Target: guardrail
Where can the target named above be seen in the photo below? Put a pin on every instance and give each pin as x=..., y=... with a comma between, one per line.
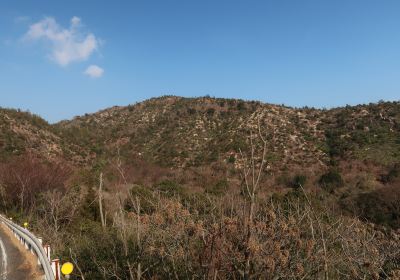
x=35, y=245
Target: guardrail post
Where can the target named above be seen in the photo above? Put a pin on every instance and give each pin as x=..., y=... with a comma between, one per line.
x=55, y=265
x=47, y=249
x=27, y=247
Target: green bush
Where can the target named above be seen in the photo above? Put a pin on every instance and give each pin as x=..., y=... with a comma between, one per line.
x=231, y=159
x=210, y=111
x=287, y=180
x=298, y=181
x=379, y=207
x=331, y=180
x=337, y=145
x=170, y=188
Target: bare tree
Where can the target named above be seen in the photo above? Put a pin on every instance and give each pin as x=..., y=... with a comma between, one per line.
x=57, y=210
x=251, y=173
x=24, y=177
x=100, y=195
x=321, y=231
x=75, y=261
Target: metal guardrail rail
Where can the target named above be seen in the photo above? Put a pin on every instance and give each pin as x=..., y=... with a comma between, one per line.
x=34, y=244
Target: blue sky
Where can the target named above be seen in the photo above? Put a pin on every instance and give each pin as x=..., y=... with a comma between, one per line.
x=65, y=58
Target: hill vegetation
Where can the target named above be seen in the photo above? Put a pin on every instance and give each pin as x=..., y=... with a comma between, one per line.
x=24, y=132
x=208, y=188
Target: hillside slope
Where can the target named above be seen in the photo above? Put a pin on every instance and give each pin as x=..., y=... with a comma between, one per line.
x=174, y=131
x=367, y=132
x=23, y=132
x=180, y=132
x=183, y=132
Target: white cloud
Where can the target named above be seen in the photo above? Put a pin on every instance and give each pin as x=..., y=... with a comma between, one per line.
x=75, y=21
x=66, y=45
x=94, y=71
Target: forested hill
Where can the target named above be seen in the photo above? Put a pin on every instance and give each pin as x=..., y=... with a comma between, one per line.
x=24, y=132
x=189, y=132
x=179, y=132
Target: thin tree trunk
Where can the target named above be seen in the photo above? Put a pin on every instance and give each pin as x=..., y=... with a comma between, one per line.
x=139, y=266
x=103, y=223
x=248, y=238
x=73, y=258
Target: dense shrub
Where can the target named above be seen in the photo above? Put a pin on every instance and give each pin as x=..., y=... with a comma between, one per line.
x=331, y=180
x=199, y=236
x=381, y=207
x=169, y=188
x=337, y=144
x=295, y=181
x=210, y=112
x=392, y=175
x=231, y=159
x=299, y=181
x=173, y=242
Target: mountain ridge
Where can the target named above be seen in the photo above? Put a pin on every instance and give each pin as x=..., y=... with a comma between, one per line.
x=180, y=132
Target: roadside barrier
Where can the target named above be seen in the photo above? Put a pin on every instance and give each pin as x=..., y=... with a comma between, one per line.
x=34, y=244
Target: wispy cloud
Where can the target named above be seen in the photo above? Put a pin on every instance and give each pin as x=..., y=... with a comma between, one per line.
x=67, y=45
x=94, y=71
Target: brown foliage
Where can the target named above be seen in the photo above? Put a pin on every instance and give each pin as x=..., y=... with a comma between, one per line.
x=286, y=243
x=24, y=177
